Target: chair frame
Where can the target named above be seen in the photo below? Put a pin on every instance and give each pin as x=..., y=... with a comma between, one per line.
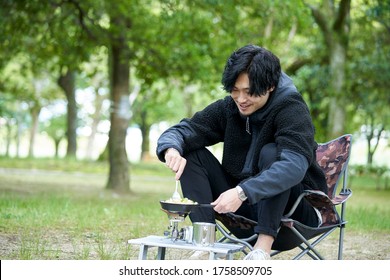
x=304, y=233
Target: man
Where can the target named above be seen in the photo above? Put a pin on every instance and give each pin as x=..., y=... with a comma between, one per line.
x=268, y=155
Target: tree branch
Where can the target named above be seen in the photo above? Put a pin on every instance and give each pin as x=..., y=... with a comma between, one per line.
x=342, y=15
x=81, y=18
x=322, y=21
x=297, y=64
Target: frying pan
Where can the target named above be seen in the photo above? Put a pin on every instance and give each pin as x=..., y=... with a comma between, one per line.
x=181, y=207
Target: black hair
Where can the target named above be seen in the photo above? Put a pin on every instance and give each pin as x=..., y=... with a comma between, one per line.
x=261, y=65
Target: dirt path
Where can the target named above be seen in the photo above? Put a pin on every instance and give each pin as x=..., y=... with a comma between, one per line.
x=373, y=246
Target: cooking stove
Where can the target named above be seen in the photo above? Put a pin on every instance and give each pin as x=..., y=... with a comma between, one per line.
x=174, y=231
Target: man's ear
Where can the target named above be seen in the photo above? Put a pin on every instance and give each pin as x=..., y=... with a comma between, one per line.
x=271, y=89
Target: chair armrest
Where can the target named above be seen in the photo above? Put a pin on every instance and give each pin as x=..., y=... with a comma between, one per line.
x=319, y=199
x=342, y=197
x=295, y=205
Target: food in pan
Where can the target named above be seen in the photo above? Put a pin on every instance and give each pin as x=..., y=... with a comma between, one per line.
x=181, y=201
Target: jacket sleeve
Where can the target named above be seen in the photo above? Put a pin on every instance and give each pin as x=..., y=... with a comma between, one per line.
x=282, y=175
x=174, y=137
x=204, y=129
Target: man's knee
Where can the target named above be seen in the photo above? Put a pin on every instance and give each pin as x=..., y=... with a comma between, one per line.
x=198, y=155
x=268, y=155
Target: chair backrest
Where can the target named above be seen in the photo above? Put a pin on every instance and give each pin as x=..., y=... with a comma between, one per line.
x=333, y=158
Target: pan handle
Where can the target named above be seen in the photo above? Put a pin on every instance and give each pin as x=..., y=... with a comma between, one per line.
x=205, y=205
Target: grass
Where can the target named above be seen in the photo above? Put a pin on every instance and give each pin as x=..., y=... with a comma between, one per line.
x=71, y=165
x=98, y=221
x=51, y=214
x=41, y=210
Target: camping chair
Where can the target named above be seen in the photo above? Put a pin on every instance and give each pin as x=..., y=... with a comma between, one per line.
x=333, y=158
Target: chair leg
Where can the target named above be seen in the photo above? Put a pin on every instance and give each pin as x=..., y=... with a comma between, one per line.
x=310, y=247
x=343, y=206
x=305, y=251
x=341, y=236
x=275, y=252
x=236, y=240
x=341, y=242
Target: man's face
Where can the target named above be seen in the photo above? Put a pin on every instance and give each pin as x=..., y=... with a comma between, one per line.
x=247, y=104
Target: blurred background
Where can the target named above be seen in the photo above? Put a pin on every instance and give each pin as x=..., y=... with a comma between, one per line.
x=98, y=80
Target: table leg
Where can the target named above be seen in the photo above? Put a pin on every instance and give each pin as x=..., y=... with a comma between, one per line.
x=229, y=256
x=143, y=252
x=161, y=253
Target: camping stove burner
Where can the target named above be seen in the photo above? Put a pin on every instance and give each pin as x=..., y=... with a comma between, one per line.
x=174, y=232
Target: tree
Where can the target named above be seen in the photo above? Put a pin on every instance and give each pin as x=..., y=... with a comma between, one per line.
x=30, y=87
x=67, y=82
x=119, y=179
x=334, y=22
x=37, y=29
x=155, y=103
x=369, y=73
x=13, y=117
x=55, y=129
x=93, y=79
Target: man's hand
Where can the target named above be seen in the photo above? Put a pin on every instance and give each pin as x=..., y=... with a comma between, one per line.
x=175, y=162
x=228, y=201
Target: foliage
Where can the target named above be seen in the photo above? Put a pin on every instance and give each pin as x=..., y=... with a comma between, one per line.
x=379, y=174
x=178, y=51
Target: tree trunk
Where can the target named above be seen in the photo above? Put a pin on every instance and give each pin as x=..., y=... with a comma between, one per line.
x=56, y=147
x=370, y=155
x=95, y=122
x=119, y=177
x=336, y=119
x=67, y=83
x=334, y=24
x=372, y=133
x=8, y=138
x=145, y=128
x=35, y=110
x=18, y=136
x=189, y=94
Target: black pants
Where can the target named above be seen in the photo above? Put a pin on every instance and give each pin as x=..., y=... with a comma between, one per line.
x=204, y=179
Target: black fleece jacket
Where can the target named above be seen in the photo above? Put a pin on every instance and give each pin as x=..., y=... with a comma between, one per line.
x=284, y=120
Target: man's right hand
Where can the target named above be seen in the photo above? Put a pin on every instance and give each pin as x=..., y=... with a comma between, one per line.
x=175, y=162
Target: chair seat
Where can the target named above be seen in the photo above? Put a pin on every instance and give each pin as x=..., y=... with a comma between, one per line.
x=287, y=239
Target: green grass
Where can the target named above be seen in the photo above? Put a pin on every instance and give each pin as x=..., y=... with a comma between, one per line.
x=71, y=165
x=369, y=209
x=51, y=214
x=101, y=220
x=70, y=215
x=369, y=206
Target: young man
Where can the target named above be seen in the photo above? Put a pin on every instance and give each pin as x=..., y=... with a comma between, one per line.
x=269, y=149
